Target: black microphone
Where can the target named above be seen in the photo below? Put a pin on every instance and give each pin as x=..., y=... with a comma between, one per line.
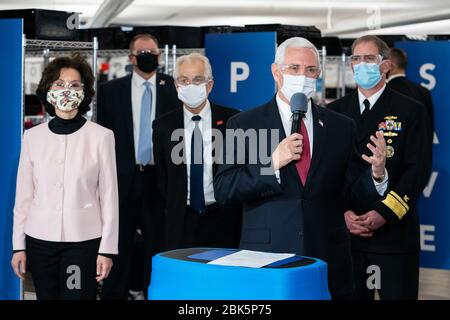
x=299, y=106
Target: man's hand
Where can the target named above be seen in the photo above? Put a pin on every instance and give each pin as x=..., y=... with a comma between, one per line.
x=288, y=150
x=372, y=220
x=378, y=158
x=354, y=225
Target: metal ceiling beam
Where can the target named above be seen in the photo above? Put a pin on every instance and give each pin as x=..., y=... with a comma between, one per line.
x=107, y=11
x=429, y=17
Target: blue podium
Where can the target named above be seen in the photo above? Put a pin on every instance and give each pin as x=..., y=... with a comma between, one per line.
x=185, y=274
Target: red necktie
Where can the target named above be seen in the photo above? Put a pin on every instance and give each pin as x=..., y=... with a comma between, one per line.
x=305, y=161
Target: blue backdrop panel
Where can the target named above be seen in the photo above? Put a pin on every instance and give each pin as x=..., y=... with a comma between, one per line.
x=241, y=68
x=11, y=133
x=429, y=65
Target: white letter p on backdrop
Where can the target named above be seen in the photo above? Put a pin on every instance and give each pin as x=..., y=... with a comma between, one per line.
x=235, y=76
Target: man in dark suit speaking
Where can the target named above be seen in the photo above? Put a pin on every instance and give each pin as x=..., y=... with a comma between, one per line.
x=293, y=195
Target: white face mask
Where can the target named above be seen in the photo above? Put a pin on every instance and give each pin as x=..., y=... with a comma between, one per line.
x=293, y=84
x=192, y=95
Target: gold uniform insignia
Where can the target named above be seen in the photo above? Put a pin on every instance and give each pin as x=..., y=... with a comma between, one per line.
x=390, y=151
x=390, y=127
x=390, y=134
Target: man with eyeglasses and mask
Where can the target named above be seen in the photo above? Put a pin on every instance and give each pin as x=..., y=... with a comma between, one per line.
x=385, y=233
x=128, y=106
x=187, y=143
x=294, y=200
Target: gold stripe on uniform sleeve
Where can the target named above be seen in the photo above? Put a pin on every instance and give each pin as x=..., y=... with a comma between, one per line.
x=396, y=206
x=400, y=200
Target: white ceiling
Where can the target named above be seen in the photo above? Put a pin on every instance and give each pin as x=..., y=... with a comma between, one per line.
x=345, y=18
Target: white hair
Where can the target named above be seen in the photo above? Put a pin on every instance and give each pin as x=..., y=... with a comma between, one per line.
x=294, y=42
x=191, y=58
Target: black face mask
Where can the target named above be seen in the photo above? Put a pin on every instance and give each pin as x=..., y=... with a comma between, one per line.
x=147, y=62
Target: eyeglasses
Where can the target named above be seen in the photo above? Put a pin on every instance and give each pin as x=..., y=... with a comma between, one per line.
x=296, y=69
x=184, y=81
x=367, y=58
x=60, y=84
x=155, y=51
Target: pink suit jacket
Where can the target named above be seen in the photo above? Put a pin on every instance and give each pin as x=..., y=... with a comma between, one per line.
x=67, y=187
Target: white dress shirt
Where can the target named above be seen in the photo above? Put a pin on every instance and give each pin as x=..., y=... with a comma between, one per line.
x=380, y=186
x=399, y=75
x=286, y=118
x=137, y=90
x=205, y=126
x=372, y=99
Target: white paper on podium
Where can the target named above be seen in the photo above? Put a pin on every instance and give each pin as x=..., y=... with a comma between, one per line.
x=251, y=259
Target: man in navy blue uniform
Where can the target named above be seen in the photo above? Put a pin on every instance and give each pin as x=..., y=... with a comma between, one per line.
x=392, y=243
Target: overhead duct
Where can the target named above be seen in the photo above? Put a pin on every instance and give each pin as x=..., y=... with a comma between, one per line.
x=107, y=11
x=424, y=18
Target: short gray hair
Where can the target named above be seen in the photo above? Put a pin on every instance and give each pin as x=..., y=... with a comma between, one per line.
x=383, y=48
x=294, y=42
x=191, y=58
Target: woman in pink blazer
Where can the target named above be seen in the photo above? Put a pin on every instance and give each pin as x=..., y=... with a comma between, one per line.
x=66, y=209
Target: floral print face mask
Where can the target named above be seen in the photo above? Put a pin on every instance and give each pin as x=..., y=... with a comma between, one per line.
x=65, y=99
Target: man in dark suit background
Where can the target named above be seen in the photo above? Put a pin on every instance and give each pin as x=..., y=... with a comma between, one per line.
x=294, y=198
x=397, y=81
x=392, y=243
x=193, y=218
x=128, y=106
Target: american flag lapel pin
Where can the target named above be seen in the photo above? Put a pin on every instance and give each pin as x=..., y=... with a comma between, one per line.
x=320, y=123
x=219, y=122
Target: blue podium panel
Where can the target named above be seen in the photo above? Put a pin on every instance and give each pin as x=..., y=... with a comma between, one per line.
x=185, y=274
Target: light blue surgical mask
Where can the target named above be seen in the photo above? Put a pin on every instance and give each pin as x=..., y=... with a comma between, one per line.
x=367, y=75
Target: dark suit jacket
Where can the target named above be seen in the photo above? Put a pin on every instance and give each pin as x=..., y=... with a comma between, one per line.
x=422, y=95
x=114, y=111
x=405, y=168
x=415, y=91
x=289, y=217
x=225, y=225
